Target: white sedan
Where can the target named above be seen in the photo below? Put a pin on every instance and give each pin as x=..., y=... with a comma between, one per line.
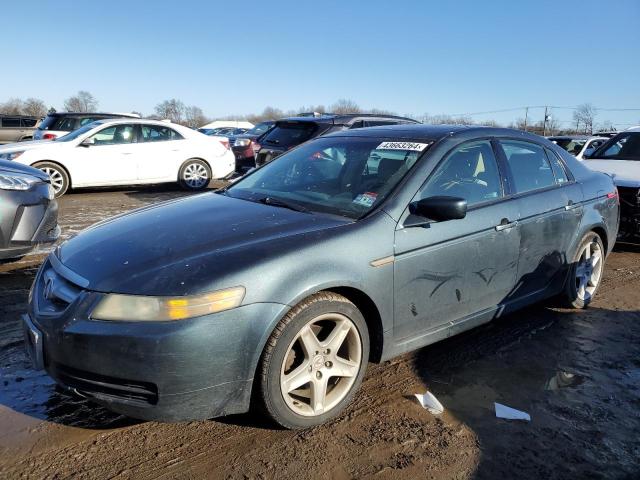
x=126, y=151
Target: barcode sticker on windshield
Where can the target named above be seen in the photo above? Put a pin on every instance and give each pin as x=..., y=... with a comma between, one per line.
x=413, y=146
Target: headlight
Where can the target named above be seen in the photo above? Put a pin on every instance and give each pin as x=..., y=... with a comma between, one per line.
x=242, y=142
x=17, y=181
x=137, y=308
x=11, y=155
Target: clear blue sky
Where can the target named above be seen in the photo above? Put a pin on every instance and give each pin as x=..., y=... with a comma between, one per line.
x=410, y=57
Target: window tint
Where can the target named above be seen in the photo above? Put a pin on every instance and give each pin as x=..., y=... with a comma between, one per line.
x=66, y=124
x=469, y=172
x=8, y=122
x=557, y=166
x=86, y=120
x=378, y=123
x=116, y=135
x=157, y=133
x=29, y=122
x=529, y=165
x=358, y=124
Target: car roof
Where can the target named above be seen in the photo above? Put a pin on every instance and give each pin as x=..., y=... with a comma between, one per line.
x=633, y=129
x=93, y=114
x=109, y=121
x=339, y=118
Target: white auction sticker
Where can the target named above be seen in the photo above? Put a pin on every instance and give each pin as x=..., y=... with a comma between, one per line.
x=413, y=146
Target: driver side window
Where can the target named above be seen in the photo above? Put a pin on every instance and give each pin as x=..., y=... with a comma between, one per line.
x=115, y=135
x=469, y=172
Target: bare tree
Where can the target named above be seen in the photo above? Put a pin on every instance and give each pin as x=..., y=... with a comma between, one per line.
x=83, y=101
x=585, y=114
x=345, y=106
x=13, y=106
x=34, y=107
x=194, y=117
x=172, y=109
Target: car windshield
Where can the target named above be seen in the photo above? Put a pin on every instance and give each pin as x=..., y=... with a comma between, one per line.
x=346, y=176
x=260, y=128
x=289, y=134
x=625, y=146
x=571, y=145
x=76, y=133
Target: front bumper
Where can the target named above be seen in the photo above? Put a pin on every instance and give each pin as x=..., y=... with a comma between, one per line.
x=169, y=371
x=27, y=218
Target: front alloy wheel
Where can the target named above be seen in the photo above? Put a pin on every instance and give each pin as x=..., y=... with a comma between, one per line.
x=314, y=361
x=58, y=176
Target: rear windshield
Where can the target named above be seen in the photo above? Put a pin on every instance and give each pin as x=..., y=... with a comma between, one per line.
x=55, y=122
x=625, y=146
x=290, y=134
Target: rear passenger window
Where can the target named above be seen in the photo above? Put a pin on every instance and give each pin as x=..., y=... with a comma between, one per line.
x=8, y=122
x=557, y=166
x=29, y=122
x=529, y=165
x=469, y=172
x=156, y=133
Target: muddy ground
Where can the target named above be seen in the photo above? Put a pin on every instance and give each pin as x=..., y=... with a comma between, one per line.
x=576, y=373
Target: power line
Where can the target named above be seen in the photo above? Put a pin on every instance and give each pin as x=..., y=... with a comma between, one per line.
x=558, y=107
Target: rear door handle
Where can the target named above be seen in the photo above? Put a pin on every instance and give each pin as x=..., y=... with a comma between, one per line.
x=505, y=224
x=571, y=206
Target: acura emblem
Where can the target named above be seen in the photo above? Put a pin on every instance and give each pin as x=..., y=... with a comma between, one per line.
x=48, y=289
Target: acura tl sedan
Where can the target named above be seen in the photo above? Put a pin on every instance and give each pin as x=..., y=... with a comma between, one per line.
x=126, y=151
x=353, y=247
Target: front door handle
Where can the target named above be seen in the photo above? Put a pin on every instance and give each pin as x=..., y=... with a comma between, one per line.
x=571, y=205
x=505, y=224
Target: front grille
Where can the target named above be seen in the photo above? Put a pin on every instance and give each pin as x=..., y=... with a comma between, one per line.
x=105, y=387
x=629, y=211
x=53, y=291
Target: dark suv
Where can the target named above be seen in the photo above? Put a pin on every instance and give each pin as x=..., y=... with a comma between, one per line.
x=60, y=123
x=291, y=132
x=244, y=146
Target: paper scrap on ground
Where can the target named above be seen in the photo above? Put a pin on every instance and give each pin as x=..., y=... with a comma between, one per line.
x=430, y=402
x=502, y=411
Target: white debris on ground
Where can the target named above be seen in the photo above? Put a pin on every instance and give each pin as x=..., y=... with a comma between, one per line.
x=502, y=411
x=430, y=402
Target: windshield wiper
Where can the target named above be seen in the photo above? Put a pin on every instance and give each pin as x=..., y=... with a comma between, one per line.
x=276, y=202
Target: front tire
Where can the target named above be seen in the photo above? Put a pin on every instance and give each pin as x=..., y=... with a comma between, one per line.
x=314, y=361
x=585, y=273
x=194, y=175
x=57, y=174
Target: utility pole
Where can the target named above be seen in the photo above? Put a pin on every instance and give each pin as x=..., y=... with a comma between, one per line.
x=526, y=115
x=544, y=124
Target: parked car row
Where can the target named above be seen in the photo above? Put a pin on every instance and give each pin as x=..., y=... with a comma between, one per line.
x=579, y=146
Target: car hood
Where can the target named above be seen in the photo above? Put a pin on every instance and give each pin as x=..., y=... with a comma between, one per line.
x=13, y=167
x=22, y=146
x=625, y=173
x=184, y=246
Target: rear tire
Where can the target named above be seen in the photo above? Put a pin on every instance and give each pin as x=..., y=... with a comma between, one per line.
x=314, y=361
x=585, y=272
x=194, y=175
x=58, y=175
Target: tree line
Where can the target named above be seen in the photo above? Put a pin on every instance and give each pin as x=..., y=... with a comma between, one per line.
x=193, y=116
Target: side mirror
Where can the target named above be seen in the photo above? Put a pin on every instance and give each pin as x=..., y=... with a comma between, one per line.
x=87, y=142
x=439, y=209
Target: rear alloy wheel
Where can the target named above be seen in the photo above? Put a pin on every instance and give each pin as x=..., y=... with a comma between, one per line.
x=586, y=271
x=58, y=176
x=194, y=175
x=314, y=361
